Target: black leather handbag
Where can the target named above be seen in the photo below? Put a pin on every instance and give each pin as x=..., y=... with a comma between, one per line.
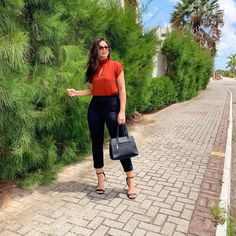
x=121, y=148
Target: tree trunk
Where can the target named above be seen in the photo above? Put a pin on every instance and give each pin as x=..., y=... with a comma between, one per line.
x=132, y=3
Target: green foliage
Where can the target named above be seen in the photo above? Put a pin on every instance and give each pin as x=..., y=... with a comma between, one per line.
x=218, y=213
x=161, y=92
x=231, y=230
x=203, y=18
x=44, y=47
x=231, y=64
x=225, y=73
x=189, y=66
x=127, y=42
x=16, y=124
x=139, y=64
x=32, y=180
x=219, y=71
x=16, y=119
x=221, y=216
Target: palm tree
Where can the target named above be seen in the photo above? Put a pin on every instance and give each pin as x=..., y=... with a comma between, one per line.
x=232, y=62
x=203, y=18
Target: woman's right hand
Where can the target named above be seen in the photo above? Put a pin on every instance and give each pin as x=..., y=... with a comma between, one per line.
x=71, y=92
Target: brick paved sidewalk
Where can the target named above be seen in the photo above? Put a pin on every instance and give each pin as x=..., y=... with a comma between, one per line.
x=175, y=147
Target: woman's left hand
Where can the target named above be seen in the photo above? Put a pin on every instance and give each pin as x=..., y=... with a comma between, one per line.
x=121, y=118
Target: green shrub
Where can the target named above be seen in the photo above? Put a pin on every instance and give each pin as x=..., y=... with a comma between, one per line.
x=161, y=92
x=231, y=229
x=44, y=47
x=188, y=65
x=132, y=47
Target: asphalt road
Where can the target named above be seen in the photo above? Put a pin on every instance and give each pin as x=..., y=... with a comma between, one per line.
x=231, y=85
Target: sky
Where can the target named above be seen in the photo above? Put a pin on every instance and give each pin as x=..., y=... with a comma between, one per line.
x=158, y=13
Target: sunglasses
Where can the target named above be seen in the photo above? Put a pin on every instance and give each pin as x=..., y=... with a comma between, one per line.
x=105, y=47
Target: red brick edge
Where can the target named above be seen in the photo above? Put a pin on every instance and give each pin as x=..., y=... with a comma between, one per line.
x=202, y=222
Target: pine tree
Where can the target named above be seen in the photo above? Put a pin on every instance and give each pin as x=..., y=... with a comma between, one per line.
x=44, y=47
x=57, y=62
x=16, y=117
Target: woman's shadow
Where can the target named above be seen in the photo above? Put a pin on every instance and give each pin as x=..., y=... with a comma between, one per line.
x=80, y=190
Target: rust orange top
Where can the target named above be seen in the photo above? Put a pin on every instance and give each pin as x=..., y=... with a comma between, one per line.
x=104, y=82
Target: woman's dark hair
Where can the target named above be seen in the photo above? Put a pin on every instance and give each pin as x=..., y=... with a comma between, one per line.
x=93, y=61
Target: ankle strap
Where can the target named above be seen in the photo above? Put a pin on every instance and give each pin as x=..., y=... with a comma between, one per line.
x=101, y=173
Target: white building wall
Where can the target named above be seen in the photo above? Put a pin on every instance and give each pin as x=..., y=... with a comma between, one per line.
x=161, y=65
x=160, y=62
x=154, y=73
x=122, y=3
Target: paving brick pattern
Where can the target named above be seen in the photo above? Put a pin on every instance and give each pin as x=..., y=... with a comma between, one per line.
x=232, y=86
x=202, y=222
x=175, y=147
x=233, y=176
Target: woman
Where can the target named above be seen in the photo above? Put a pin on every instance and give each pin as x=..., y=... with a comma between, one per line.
x=107, y=86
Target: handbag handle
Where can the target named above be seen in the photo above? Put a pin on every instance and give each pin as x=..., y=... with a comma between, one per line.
x=125, y=131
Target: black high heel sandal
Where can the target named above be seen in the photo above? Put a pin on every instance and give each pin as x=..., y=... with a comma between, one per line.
x=99, y=190
x=130, y=195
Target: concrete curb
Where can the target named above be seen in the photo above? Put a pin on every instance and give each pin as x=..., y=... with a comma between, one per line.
x=221, y=230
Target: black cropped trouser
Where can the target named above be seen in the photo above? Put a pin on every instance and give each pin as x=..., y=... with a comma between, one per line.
x=104, y=109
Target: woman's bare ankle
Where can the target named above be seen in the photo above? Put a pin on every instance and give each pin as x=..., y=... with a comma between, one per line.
x=130, y=181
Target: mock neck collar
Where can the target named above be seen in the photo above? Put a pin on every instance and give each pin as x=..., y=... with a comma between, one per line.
x=103, y=61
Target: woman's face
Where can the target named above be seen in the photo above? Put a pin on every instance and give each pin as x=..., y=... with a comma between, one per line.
x=103, y=50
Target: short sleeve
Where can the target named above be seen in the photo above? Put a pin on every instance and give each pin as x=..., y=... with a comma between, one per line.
x=118, y=68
